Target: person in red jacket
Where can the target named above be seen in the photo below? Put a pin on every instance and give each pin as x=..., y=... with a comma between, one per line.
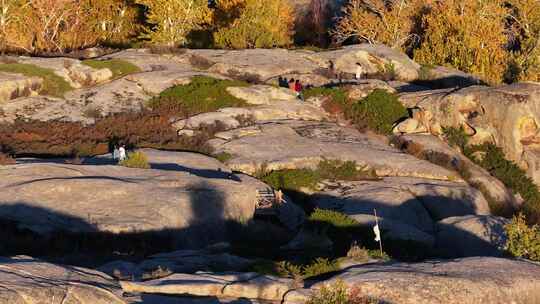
x=298, y=89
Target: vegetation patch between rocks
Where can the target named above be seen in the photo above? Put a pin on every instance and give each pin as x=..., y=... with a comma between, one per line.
x=118, y=67
x=296, y=179
x=492, y=158
x=136, y=160
x=53, y=84
x=523, y=241
x=203, y=94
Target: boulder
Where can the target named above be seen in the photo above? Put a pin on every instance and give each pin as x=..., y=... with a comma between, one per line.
x=81, y=105
x=483, y=113
x=462, y=281
x=262, y=94
x=24, y=280
x=471, y=235
x=182, y=261
x=258, y=65
x=71, y=70
x=13, y=86
x=234, y=285
x=408, y=207
x=195, y=203
x=303, y=144
x=373, y=58
x=227, y=118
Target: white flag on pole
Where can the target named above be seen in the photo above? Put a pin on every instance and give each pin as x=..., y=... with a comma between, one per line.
x=377, y=233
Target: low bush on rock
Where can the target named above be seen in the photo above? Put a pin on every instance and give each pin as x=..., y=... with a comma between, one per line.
x=136, y=160
x=523, y=241
x=494, y=161
x=203, y=94
x=118, y=67
x=512, y=176
x=379, y=111
x=335, y=99
x=338, y=293
x=296, y=179
x=53, y=84
x=146, y=129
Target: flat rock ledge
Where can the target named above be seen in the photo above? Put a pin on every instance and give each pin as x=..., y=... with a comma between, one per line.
x=24, y=280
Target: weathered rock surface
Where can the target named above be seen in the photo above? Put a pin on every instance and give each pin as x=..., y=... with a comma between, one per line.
x=262, y=94
x=302, y=144
x=183, y=261
x=373, y=59
x=471, y=235
x=84, y=105
x=71, y=70
x=195, y=203
x=24, y=280
x=484, y=114
x=408, y=207
x=437, y=151
x=464, y=281
x=15, y=85
x=235, y=285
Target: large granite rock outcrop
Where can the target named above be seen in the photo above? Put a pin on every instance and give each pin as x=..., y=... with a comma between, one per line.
x=408, y=208
x=24, y=280
x=506, y=115
x=194, y=202
x=465, y=281
x=303, y=144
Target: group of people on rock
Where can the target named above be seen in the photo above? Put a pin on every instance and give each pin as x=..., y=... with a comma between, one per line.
x=294, y=85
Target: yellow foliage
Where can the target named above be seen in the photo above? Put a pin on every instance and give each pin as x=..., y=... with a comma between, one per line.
x=173, y=20
x=379, y=21
x=467, y=35
x=525, y=62
x=260, y=24
x=37, y=26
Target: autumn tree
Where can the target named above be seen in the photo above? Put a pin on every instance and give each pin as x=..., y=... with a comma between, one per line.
x=313, y=25
x=260, y=24
x=173, y=20
x=524, y=43
x=467, y=35
x=11, y=12
x=379, y=21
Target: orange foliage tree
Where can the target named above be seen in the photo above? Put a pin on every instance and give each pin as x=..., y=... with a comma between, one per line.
x=378, y=21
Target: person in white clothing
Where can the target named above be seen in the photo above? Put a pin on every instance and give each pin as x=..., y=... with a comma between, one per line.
x=122, y=153
x=359, y=71
x=116, y=153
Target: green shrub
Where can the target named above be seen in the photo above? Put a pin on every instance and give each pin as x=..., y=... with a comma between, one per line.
x=346, y=171
x=333, y=218
x=456, y=138
x=319, y=267
x=136, y=160
x=223, y=156
x=118, y=67
x=292, y=179
x=523, y=241
x=338, y=293
x=203, y=94
x=53, y=84
x=338, y=95
x=512, y=176
x=378, y=111
x=296, y=179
